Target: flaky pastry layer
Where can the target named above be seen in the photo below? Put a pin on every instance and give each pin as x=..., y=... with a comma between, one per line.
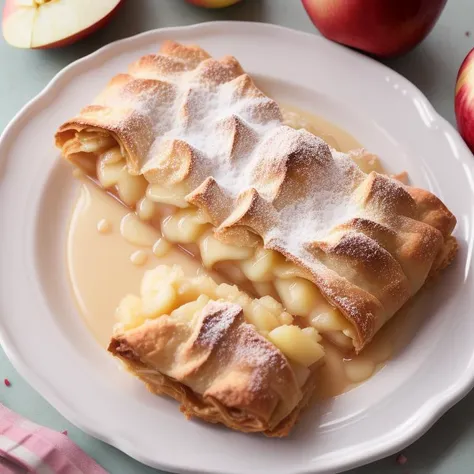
x=218, y=367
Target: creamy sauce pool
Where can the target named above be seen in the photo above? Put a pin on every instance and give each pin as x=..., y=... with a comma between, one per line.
x=109, y=249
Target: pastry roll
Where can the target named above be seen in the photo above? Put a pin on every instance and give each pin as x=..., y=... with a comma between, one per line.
x=192, y=339
x=271, y=206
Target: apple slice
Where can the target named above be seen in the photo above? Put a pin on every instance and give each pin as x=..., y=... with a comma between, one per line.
x=53, y=23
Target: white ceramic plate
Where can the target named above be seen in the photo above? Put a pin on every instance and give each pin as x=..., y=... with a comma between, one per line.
x=47, y=342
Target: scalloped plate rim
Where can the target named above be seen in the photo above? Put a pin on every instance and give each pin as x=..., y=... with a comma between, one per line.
x=429, y=413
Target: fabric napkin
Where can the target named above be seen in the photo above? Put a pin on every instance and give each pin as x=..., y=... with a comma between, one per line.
x=26, y=447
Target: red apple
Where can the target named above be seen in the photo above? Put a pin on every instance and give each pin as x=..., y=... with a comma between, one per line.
x=380, y=27
x=213, y=3
x=52, y=23
x=464, y=100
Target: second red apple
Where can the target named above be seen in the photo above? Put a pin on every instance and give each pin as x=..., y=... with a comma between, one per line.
x=380, y=27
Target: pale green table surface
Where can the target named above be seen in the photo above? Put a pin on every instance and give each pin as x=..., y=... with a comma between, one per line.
x=448, y=448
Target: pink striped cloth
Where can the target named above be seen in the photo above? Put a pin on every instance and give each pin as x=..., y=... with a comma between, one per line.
x=29, y=448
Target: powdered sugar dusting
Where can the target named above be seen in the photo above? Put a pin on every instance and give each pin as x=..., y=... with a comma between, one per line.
x=239, y=136
x=244, y=347
x=319, y=212
x=212, y=121
x=261, y=356
x=217, y=320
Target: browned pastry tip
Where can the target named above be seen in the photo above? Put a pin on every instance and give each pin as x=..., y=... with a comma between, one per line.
x=218, y=367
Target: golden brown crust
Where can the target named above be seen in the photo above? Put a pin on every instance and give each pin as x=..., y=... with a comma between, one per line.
x=367, y=241
x=218, y=367
x=193, y=406
x=445, y=257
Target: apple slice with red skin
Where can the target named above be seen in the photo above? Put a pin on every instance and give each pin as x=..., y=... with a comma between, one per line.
x=464, y=100
x=53, y=23
x=383, y=28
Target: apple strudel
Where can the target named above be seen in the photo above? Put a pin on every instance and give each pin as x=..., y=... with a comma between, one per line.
x=196, y=149
x=195, y=341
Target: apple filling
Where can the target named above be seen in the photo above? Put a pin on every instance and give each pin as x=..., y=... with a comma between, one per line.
x=256, y=270
x=166, y=291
